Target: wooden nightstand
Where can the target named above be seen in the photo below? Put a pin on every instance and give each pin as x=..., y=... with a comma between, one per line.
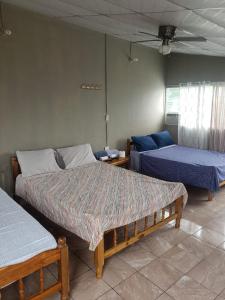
x=121, y=162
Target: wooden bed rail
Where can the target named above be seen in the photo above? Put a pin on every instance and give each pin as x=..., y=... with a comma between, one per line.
x=150, y=224
x=129, y=146
x=19, y=271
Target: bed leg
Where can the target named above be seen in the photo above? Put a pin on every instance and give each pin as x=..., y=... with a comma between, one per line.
x=210, y=195
x=64, y=268
x=99, y=259
x=178, y=210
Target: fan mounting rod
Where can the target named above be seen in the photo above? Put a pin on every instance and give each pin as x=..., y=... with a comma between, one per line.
x=167, y=32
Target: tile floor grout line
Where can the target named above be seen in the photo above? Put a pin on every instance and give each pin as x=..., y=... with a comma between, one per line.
x=166, y=295
x=186, y=274
x=124, y=280
x=206, y=287
x=108, y=292
x=221, y=293
x=153, y=283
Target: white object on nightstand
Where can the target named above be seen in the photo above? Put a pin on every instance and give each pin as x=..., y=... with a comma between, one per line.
x=122, y=154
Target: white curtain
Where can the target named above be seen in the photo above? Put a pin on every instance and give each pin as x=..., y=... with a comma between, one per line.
x=195, y=115
x=217, y=126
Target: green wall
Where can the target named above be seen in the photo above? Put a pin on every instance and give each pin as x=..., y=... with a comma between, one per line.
x=42, y=67
x=181, y=68
x=135, y=92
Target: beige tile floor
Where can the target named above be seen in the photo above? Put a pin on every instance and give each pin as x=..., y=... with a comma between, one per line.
x=171, y=264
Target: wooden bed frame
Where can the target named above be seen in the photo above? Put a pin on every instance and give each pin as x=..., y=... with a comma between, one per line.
x=210, y=193
x=128, y=237
x=19, y=271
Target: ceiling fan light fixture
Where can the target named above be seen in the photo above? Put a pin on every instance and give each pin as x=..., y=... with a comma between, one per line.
x=165, y=48
x=5, y=32
x=167, y=34
x=131, y=58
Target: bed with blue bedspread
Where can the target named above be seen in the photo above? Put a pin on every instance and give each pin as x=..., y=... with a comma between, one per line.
x=195, y=167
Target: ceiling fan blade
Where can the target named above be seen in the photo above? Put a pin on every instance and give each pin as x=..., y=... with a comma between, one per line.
x=145, y=41
x=155, y=35
x=190, y=39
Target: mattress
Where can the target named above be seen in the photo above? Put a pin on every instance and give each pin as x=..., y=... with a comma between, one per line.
x=191, y=166
x=22, y=237
x=91, y=199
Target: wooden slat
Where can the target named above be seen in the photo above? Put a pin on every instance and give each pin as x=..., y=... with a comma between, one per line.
x=155, y=218
x=114, y=237
x=41, y=280
x=146, y=222
x=48, y=292
x=21, y=270
x=21, y=289
x=126, y=232
x=170, y=209
x=135, y=228
x=140, y=235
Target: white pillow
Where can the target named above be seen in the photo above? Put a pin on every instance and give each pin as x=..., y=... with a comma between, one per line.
x=37, y=162
x=77, y=155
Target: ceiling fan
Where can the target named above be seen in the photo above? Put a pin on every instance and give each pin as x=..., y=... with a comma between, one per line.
x=167, y=34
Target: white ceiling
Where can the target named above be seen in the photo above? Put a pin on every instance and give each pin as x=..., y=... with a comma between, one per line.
x=126, y=18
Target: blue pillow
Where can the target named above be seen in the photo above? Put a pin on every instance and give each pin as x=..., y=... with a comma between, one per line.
x=100, y=153
x=162, y=138
x=144, y=143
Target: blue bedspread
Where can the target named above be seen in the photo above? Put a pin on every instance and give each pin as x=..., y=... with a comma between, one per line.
x=200, y=168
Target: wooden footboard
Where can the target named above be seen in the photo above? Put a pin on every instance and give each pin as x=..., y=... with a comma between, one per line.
x=129, y=234
x=19, y=271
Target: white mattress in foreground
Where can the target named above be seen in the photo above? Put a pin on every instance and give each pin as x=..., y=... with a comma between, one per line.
x=21, y=236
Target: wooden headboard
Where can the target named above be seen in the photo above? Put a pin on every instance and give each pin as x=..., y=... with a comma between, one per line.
x=15, y=167
x=130, y=145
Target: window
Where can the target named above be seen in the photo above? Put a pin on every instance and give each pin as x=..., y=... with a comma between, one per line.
x=172, y=100
x=200, y=109
x=172, y=105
